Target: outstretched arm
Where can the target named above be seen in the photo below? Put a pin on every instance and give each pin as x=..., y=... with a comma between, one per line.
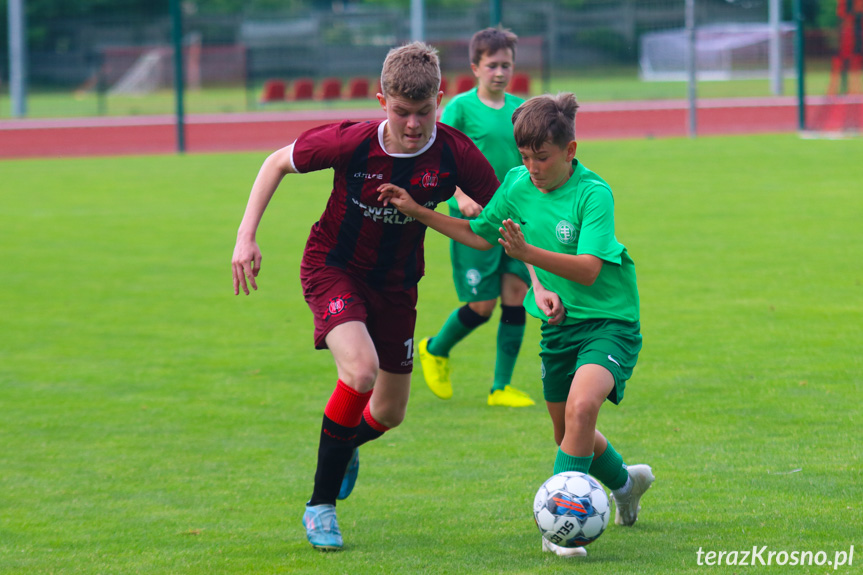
x=454, y=228
x=246, y=262
x=582, y=268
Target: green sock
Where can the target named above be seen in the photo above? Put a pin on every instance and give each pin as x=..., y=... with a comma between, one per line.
x=609, y=469
x=565, y=462
x=457, y=326
x=509, y=337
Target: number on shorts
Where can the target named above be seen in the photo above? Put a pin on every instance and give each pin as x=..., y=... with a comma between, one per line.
x=409, y=343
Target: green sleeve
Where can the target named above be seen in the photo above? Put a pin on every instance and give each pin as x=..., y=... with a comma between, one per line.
x=450, y=115
x=597, y=226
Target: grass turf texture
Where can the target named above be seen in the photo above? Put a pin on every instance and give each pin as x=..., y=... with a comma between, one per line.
x=154, y=423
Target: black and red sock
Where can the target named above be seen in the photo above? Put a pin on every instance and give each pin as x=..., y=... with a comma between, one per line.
x=342, y=417
x=369, y=429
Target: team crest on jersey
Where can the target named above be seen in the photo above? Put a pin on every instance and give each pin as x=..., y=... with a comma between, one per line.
x=337, y=305
x=473, y=277
x=565, y=232
x=429, y=179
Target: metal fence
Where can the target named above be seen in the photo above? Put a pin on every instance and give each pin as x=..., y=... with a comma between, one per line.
x=123, y=64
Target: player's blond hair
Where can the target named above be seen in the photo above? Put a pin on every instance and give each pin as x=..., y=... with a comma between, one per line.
x=491, y=41
x=545, y=119
x=411, y=71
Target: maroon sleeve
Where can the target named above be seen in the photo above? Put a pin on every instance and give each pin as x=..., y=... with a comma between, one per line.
x=318, y=148
x=476, y=176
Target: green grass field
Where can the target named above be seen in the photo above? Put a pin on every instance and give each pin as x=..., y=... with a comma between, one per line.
x=154, y=423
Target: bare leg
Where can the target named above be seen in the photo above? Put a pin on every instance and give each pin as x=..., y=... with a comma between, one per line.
x=574, y=420
x=355, y=355
x=389, y=401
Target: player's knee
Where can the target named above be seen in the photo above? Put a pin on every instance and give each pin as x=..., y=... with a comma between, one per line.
x=582, y=411
x=392, y=416
x=476, y=313
x=514, y=298
x=360, y=376
x=512, y=290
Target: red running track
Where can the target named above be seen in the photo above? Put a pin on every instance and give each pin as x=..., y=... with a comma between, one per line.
x=107, y=136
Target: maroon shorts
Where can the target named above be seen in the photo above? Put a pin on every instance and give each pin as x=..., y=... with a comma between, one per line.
x=390, y=316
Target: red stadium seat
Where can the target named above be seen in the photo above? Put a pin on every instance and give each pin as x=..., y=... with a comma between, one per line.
x=464, y=83
x=304, y=89
x=358, y=88
x=274, y=91
x=331, y=89
x=520, y=84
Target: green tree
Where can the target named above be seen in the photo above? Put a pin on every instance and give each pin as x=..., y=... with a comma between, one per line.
x=816, y=13
x=64, y=9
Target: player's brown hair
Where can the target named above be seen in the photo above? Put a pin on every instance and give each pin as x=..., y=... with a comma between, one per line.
x=411, y=71
x=545, y=118
x=489, y=41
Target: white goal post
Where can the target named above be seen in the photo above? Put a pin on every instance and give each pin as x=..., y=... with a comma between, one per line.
x=723, y=52
x=146, y=75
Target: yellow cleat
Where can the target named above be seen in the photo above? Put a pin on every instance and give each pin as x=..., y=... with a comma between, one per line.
x=510, y=397
x=435, y=371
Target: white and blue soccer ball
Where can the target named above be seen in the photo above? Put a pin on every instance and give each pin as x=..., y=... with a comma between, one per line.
x=571, y=509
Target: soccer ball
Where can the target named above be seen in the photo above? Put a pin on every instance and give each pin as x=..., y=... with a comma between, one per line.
x=571, y=509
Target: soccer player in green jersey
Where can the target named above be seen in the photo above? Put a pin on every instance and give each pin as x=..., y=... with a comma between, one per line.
x=558, y=216
x=485, y=115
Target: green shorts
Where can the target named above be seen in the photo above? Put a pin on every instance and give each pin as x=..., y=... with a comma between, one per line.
x=610, y=343
x=476, y=273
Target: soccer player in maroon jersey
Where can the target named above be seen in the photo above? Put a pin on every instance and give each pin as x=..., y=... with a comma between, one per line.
x=363, y=260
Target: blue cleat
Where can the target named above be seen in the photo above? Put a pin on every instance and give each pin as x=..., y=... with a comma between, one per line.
x=351, y=473
x=322, y=529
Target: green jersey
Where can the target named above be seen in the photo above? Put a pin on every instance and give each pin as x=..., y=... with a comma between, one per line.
x=577, y=218
x=490, y=130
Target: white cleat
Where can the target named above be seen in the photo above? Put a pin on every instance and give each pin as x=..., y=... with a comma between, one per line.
x=549, y=547
x=627, y=506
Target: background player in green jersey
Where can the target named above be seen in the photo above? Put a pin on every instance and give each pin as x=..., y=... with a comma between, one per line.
x=485, y=115
x=558, y=216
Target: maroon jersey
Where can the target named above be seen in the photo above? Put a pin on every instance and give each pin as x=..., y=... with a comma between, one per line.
x=356, y=232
